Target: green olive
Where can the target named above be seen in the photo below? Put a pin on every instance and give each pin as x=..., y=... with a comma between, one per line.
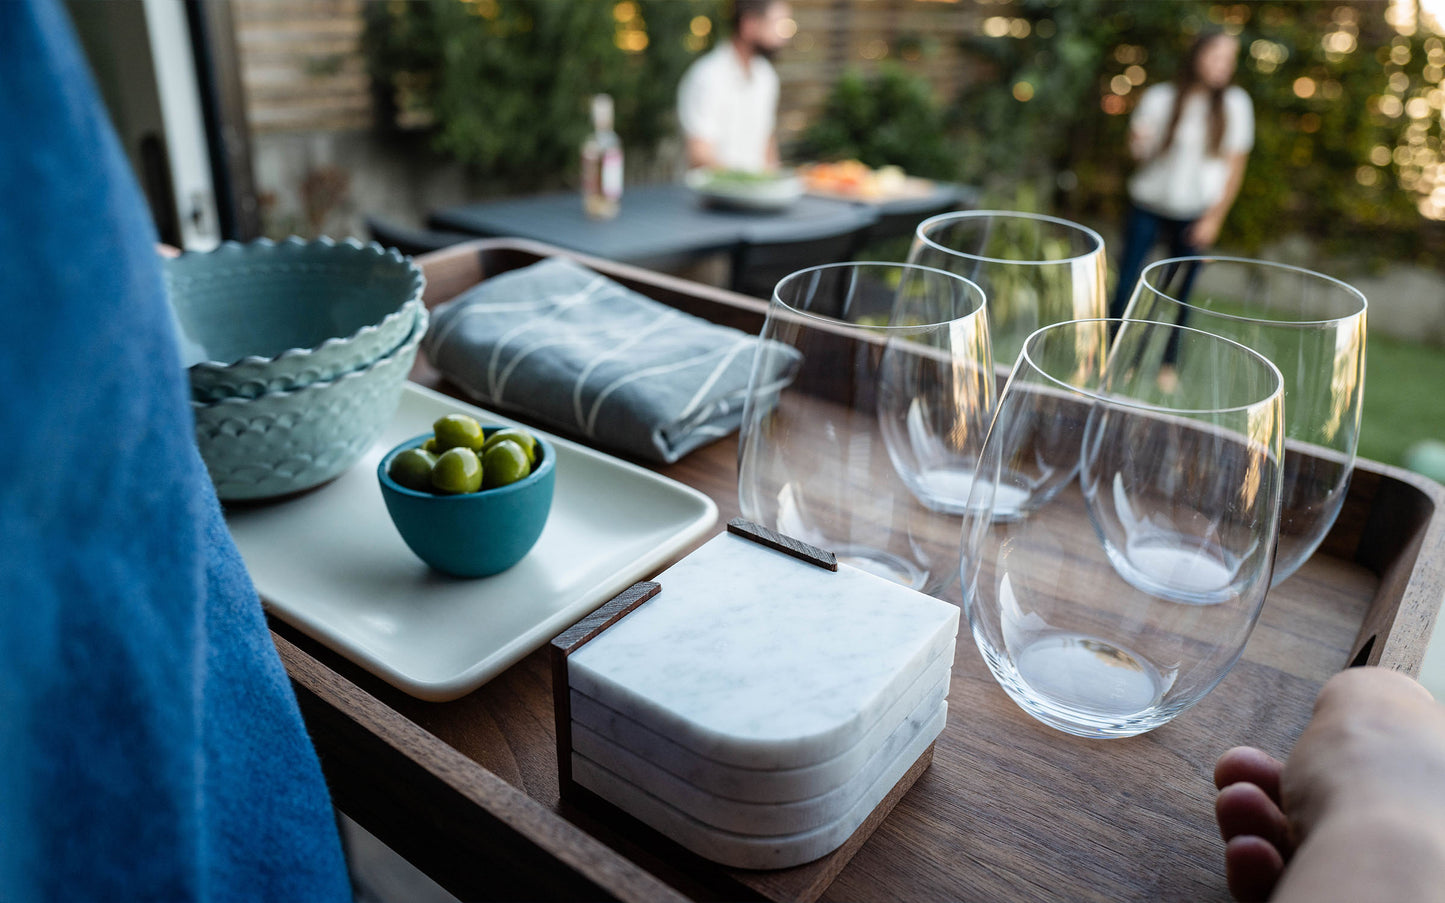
x=521, y=437
x=457, y=431
x=412, y=469
x=430, y=445
x=457, y=471
x=503, y=463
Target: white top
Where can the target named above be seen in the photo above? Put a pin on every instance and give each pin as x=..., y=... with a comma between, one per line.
x=1186, y=180
x=732, y=109
x=752, y=658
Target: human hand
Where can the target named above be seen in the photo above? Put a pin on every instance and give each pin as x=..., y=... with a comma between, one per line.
x=1357, y=811
x=1203, y=232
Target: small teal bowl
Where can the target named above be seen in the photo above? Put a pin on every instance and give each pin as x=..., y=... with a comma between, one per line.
x=477, y=534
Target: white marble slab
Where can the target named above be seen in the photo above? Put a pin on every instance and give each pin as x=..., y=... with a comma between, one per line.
x=754, y=785
x=757, y=818
x=756, y=659
x=742, y=850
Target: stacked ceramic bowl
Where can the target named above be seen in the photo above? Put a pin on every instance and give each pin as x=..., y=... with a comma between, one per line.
x=758, y=709
x=296, y=352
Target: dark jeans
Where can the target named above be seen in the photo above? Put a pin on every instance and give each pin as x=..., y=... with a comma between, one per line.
x=1142, y=229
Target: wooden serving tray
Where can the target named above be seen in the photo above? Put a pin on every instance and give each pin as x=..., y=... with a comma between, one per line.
x=468, y=790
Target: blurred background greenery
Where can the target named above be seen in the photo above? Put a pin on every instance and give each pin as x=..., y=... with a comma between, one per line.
x=1348, y=98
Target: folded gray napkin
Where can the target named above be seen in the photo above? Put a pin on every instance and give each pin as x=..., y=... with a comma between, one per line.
x=571, y=348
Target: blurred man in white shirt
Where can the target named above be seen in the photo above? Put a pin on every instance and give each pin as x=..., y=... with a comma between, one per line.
x=727, y=101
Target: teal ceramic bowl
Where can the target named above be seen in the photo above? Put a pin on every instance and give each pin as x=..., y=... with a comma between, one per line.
x=283, y=442
x=275, y=316
x=478, y=534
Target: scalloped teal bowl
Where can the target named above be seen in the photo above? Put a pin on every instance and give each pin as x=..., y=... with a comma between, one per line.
x=287, y=441
x=477, y=534
x=275, y=316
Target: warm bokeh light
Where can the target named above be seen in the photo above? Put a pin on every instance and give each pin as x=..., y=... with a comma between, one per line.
x=787, y=28
x=1023, y=92
x=1367, y=176
x=995, y=26
x=1120, y=84
x=1267, y=55
x=625, y=11
x=1304, y=86
x=1136, y=75
x=1401, y=16
x=1130, y=53
x=632, y=40
x=1113, y=104
x=700, y=26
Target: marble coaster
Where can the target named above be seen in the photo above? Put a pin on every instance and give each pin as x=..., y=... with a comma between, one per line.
x=751, y=851
x=754, y=785
x=757, y=818
x=755, y=659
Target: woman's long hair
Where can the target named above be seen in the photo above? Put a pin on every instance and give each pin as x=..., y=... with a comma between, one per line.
x=1187, y=80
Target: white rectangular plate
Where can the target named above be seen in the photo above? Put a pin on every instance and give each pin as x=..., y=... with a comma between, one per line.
x=331, y=563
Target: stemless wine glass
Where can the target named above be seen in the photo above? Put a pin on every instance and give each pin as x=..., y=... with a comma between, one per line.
x=1126, y=585
x=1313, y=328
x=892, y=363
x=1034, y=270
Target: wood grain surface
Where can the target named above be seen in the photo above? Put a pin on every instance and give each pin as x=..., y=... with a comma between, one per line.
x=568, y=642
x=1009, y=809
x=772, y=539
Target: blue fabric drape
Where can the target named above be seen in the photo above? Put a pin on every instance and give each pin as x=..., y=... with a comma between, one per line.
x=150, y=744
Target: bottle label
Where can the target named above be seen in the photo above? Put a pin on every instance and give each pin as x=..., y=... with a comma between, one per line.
x=612, y=174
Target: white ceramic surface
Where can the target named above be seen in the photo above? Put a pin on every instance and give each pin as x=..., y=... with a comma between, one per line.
x=331, y=562
x=743, y=850
x=762, y=195
x=757, y=818
x=754, y=785
x=753, y=658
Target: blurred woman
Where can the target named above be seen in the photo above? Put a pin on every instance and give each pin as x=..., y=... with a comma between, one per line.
x=1191, y=138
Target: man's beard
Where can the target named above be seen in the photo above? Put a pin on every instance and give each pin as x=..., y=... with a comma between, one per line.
x=768, y=53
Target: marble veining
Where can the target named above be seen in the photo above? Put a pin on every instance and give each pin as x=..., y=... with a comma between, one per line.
x=758, y=785
x=744, y=850
x=753, y=658
x=756, y=818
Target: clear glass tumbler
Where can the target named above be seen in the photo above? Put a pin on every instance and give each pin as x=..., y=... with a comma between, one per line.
x=1127, y=584
x=1313, y=328
x=1034, y=270
x=892, y=375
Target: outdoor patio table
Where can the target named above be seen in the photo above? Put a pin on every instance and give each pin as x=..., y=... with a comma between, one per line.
x=1009, y=809
x=656, y=223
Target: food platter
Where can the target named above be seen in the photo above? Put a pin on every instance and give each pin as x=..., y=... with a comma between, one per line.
x=738, y=190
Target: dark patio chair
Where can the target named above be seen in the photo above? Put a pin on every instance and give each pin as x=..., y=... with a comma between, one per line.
x=761, y=259
x=412, y=241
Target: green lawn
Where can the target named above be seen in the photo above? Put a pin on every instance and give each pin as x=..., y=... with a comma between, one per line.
x=1404, y=397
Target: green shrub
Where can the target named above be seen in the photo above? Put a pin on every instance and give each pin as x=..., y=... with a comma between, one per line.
x=503, y=85
x=888, y=118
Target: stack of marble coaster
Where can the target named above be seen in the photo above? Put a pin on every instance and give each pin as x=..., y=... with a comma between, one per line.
x=759, y=707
